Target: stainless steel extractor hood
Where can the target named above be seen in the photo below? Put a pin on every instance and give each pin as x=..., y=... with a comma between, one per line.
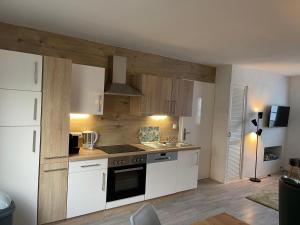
x=118, y=73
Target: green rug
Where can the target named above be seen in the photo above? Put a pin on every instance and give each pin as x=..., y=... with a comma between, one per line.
x=269, y=199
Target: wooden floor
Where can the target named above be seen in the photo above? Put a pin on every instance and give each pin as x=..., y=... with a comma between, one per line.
x=211, y=198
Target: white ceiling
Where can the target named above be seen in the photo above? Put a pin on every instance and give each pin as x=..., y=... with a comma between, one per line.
x=263, y=34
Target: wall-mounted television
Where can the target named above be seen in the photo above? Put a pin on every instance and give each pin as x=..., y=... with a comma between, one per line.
x=279, y=116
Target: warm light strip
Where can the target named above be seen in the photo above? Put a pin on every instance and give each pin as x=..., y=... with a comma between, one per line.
x=78, y=116
x=159, y=117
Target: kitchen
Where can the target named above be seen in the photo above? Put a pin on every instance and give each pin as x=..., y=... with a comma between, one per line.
x=132, y=157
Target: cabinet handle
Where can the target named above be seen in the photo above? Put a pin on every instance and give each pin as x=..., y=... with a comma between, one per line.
x=100, y=103
x=35, y=109
x=56, y=157
x=93, y=165
x=168, y=106
x=36, y=68
x=33, y=141
x=197, y=162
x=61, y=169
x=103, y=181
x=174, y=107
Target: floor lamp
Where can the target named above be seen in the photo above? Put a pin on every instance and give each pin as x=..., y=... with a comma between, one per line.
x=255, y=122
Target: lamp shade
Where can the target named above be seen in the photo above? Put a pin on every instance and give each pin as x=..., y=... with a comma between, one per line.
x=254, y=122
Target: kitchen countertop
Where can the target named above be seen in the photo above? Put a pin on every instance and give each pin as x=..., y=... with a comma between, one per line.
x=85, y=154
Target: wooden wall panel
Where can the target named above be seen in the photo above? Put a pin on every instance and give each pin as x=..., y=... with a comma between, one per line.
x=90, y=53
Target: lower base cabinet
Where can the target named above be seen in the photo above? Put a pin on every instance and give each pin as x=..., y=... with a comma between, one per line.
x=160, y=179
x=53, y=192
x=187, y=170
x=86, y=187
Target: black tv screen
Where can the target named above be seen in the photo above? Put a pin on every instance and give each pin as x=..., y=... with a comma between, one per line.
x=279, y=116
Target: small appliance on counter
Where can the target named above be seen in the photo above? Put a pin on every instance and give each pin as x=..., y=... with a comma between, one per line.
x=89, y=139
x=74, y=143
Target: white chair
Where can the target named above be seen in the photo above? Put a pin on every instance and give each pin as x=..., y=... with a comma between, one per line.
x=146, y=215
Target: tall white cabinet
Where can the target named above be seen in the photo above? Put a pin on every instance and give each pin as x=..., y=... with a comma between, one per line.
x=20, y=112
x=87, y=89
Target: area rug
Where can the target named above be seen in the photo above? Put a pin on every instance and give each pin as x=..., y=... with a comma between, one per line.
x=269, y=199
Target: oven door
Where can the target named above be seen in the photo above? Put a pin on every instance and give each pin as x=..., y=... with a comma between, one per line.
x=126, y=181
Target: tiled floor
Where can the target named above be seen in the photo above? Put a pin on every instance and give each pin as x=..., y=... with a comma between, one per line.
x=209, y=199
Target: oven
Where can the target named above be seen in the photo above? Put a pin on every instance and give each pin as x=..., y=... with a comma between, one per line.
x=126, y=177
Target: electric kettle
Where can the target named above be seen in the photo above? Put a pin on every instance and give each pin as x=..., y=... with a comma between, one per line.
x=89, y=139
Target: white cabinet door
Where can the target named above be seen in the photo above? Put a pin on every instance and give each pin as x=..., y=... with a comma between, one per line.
x=20, y=108
x=20, y=71
x=19, y=170
x=187, y=170
x=160, y=179
x=86, y=192
x=87, y=89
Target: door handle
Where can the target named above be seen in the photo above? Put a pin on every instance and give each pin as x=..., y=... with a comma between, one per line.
x=36, y=68
x=34, y=141
x=35, y=109
x=103, y=181
x=128, y=170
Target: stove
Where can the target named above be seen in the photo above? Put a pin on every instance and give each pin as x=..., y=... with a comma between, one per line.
x=114, y=149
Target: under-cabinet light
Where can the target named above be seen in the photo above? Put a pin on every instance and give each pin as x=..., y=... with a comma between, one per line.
x=159, y=117
x=78, y=116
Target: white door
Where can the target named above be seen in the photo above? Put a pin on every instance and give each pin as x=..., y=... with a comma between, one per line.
x=187, y=170
x=20, y=108
x=87, y=89
x=86, y=192
x=236, y=133
x=20, y=71
x=19, y=170
x=160, y=179
x=199, y=126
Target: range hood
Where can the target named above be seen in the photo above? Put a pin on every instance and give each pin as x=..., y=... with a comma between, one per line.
x=118, y=72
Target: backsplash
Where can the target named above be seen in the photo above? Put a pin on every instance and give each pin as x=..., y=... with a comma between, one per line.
x=117, y=126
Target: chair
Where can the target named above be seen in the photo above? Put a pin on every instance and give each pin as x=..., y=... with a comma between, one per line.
x=146, y=215
x=289, y=199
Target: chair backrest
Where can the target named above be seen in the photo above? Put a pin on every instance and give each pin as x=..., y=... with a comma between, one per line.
x=146, y=215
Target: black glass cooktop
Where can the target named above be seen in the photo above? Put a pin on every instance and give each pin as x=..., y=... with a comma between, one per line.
x=114, y=149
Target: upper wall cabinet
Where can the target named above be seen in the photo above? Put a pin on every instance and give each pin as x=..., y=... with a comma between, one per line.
x=182, y=97
x=20, y=71
x=87, y=89
x=162, y=95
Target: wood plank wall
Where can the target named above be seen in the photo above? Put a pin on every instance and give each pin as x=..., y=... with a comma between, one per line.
x=90, y=53
x=117, y=126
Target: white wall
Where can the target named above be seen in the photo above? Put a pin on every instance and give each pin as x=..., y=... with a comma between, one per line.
x=220, y=126
x=200, y=124
x=264, y=89
x=293, y=132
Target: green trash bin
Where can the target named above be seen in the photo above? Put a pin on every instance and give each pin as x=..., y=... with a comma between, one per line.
x=7, y=208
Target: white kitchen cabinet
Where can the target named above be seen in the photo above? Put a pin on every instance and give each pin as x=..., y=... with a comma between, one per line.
x=87, y=89
x=187, y=170
x=19, y=170
x=20, y=71
x=160, y=179
x=20, y=108
x=86, y=187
